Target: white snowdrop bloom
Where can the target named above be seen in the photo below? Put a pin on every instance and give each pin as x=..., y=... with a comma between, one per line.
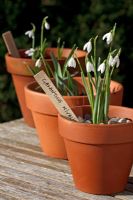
x=71, y=62
x=115, y=61
x=110, y=60
x=30, y=33
x=108, y=37
x=38, y=63
x=88, y=46
x=47, y=25
x=89, y=67
x=101, y=68
x=30, y=52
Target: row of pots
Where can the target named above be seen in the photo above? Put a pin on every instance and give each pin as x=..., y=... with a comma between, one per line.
x=93, y=150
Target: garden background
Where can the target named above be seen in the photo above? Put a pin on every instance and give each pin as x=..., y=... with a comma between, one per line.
x=75, y=22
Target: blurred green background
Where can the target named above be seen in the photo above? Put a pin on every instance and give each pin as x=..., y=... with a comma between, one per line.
x=74, y=22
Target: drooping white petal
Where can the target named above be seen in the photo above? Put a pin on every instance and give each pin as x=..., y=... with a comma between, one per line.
x=88, y=46
x=118, y=62
x=30, y=52
x=47, y=25
x=89, y=67
x=101, y=68
x=115, y=61
x=38, y=63
x=30, y=33
x=110, y=60
x=71, y=62
x=108, y=37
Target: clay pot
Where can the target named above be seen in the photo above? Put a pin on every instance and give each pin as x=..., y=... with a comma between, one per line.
x=45, y=118
x=22, y=76
x=100, y=156
x=45, y=115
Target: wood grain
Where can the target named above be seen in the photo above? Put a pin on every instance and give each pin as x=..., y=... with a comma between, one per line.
x=26, y=173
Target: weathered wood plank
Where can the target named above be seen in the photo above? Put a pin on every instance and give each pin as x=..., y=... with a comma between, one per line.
x=27, y=173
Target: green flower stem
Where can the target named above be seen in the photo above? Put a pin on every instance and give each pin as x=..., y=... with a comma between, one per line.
x=42, y=32
x=107, y=96
x=87, y=89
x=94, y=116
x=95, y=62
x=47, y=67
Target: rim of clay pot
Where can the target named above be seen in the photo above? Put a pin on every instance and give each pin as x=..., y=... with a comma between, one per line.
x=19, y=65
x=98, y=133
x=44, y=104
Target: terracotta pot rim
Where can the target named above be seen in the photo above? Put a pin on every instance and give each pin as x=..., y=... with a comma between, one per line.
x=97, y=133
x=32, y=91
x=19, y=65
x=40, y=93
x=43, y=100
x=102, y=126
x=49, y=48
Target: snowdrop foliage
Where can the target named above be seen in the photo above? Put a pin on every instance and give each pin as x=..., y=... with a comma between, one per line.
x=99, y=72
x=63, y=79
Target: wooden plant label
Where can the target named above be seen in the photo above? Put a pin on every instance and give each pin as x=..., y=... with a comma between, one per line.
x=48, y=87
x=10, y=44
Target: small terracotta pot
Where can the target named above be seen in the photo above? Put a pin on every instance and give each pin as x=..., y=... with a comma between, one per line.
x=46, y=121
x=45, y=115
x=22, y=76
x=100, y=156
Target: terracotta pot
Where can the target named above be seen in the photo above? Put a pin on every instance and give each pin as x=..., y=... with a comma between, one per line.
x=22, y=76
x=45, y=118
x=45, y=115
x=100, y=156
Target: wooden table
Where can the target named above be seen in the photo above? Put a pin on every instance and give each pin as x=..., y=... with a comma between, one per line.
x=27, y=174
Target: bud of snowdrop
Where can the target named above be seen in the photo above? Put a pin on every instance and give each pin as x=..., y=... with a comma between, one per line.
x=88, y=46
x=108, y=37
x=71, y=62
x=30, y=52
x=47, y=25
x=101, y=68
x=38, y=63
x=89, y=67
x=30, y=33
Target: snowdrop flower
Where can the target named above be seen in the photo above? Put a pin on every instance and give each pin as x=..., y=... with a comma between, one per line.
x=101, y=68
x=114, y=61
x=89, y=67
x=30, y=52
x=38, y=63
x=30, y=33
x=108, y=37
x=71, y=62
x=110, y=60
x=47, y=25
x=88, y=46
